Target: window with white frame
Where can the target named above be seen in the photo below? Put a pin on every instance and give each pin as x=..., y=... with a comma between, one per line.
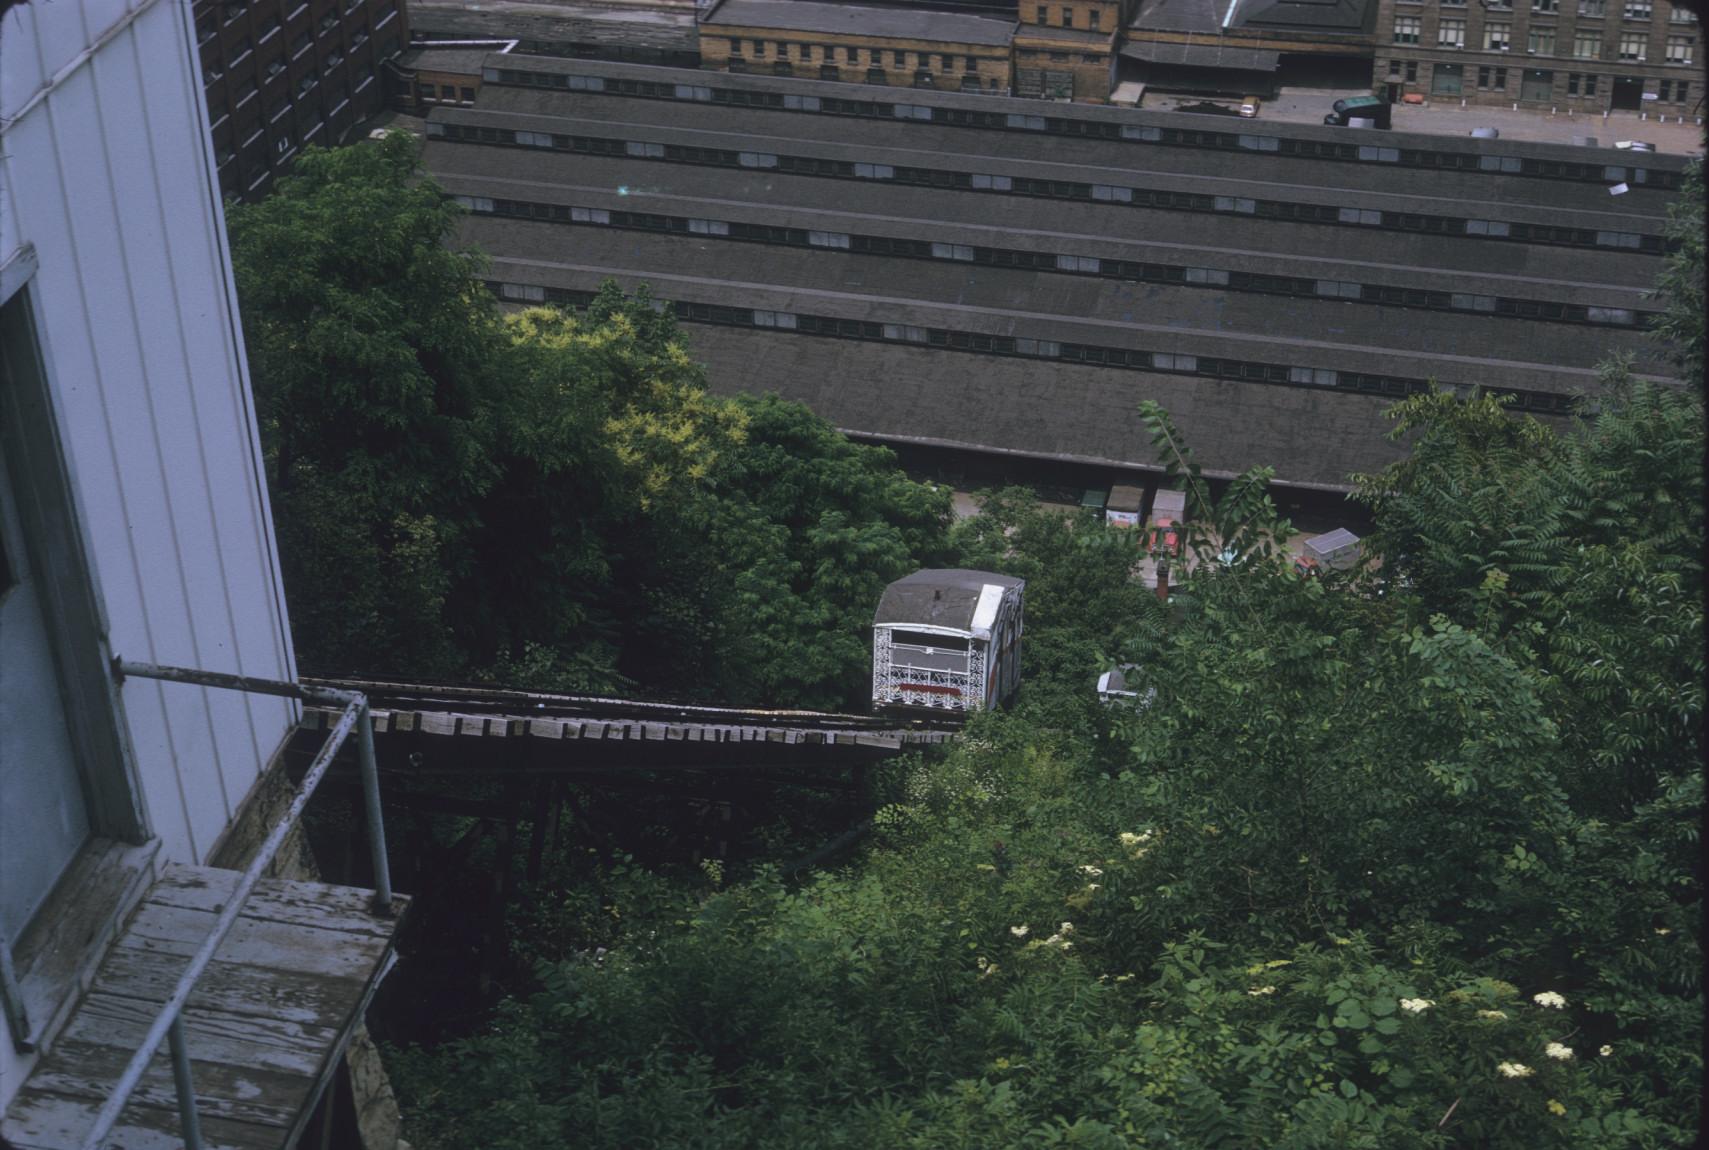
x=1679, y=49
x=1677, y=14
x=1406, y=29
x=1451, y=34
x=907, y=332
x=1316, y=376
x=1496, y=37
x=1632, y=45
x=1587, y=45
x=1544, y=5
x=1637, y=10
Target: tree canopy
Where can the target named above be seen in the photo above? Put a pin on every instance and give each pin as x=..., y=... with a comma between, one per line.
x=1400, y=857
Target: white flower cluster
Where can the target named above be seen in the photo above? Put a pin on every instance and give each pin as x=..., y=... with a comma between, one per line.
x=1549, y=999
x=986, y=967
x=1059, y=940
x=1514, y=1070
x=1091, y=871
x=1020, y=931
x=1559, y=1052
x=1493, y=1015
x=1416, y=1005
x=1258, y=990
x=1606, y=1051
x=1137, y=844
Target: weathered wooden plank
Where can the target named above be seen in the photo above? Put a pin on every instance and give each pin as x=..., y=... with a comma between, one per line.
x=269, y=945
x=258, y=1096
x=42, y=1121
x=546, y=728
x=655, y=731
x=320, y=905
x=434, y=723
x=471, y=725
x=306, y=999
x=405, y=721
x=241, y=1040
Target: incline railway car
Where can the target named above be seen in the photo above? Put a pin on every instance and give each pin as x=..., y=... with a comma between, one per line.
x=947, y=641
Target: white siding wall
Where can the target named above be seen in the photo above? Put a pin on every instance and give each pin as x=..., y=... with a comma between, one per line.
x=109, y=174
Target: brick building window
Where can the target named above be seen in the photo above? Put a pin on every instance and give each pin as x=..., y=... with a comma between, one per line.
x=1678, y=15
x=1412, y=71
x=1492, y=79
x=1094, y=16
x=1581, y=84
x=1587, y=46
x=1632, y=46
x=1675, y=93
x=1540, y=41
x=1637, y=10
x=1543, y=5
x=1451, y=34
x=1679, y=49
x=1068, y=17
x=1591, y=9
x=1039, y=14
x=1406, y=29
x=1496, y=37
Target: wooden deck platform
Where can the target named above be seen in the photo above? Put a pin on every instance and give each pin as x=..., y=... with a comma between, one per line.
x=266, y=1027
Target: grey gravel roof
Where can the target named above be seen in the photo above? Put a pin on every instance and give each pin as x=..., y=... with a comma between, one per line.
x=1322, y=16
x=938, y=598
x=855, y=20
x=462, y=61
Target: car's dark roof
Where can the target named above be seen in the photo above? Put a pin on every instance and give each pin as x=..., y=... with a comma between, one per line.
x=938, y=598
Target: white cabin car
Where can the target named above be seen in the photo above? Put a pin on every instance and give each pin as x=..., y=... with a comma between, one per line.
x=947, y=640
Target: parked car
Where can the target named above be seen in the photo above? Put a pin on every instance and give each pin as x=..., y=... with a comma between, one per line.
x=1345, y=111
x=1249, y=106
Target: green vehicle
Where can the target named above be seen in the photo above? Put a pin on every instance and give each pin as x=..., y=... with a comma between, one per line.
x=1373, y=108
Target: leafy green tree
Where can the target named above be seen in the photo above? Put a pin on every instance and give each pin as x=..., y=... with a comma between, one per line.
x=370, y=348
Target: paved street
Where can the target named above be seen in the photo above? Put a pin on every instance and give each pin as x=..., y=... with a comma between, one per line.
x=1308, y=105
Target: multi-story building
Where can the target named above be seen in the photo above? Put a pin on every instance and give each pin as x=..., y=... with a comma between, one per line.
x=1580, y=55
x=279, y=74
x=1235, y=47
x=1066, y=49
x=140, y=820
x=902, y=47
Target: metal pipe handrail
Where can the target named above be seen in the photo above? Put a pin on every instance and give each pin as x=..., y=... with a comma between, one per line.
x=169, y=1023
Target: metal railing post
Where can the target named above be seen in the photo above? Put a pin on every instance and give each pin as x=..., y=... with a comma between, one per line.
x=371, y=804
x=190, y=1124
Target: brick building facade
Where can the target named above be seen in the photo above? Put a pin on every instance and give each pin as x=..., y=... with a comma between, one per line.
x=1583, y=55
x=1067, y=49
x=280, y=74
x=896, y=47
